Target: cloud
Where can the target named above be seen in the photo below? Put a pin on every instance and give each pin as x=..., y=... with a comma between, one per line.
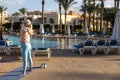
x=109, y=4
x=11, y=2
x=79, y=0
x=51, y=10
x=76, y=7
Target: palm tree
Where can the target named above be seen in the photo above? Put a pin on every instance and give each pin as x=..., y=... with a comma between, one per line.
x=90, y=8
x=83, y=9
x=66, y=4
x=117, y=5
x=94, y=16
x=101, y=16
x=23, y=12
x=108, y=16
x=2, y=9
x=97, y=12
x=59, y=1
x=84, y=12
x=16, y=14
x=43, y=2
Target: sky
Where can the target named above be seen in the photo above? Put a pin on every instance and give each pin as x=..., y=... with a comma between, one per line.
x=50, y=5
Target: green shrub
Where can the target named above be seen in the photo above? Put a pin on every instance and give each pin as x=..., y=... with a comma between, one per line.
x=7, y=25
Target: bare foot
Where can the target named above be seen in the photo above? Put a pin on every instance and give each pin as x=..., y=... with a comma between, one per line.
x=24, y=73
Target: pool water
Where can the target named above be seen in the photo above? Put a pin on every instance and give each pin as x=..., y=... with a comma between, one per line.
x=54, y=43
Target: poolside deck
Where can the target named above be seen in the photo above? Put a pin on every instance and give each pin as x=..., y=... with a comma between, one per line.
x=64, y=65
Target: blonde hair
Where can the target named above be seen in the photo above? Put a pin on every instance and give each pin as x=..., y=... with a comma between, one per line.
x=28, y=22
x=31, y=26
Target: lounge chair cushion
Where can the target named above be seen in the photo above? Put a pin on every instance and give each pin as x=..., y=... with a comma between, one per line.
x=101, y=43
x=2, y=43
x=42, y=48
x=88, y=43
x=14, y=45
x=39, y=49
x=78, y=46
x=113, y=42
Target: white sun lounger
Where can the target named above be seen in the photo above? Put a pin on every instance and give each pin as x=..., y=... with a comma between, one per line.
x=42, y=51
x=89, y=44
x=113, y=44
x=3, y=45
x=79, y=47
x=86, y=45
x=101, y=44
x=13, y=49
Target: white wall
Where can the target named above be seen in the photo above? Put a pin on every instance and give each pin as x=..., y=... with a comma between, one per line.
x=54, y=16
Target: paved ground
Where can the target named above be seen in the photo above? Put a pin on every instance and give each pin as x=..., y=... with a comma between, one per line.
x=64, y=65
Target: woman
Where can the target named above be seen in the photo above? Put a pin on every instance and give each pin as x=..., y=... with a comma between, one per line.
x=25, y=33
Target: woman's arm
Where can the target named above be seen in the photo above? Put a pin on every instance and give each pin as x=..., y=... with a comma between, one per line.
x=30, y=32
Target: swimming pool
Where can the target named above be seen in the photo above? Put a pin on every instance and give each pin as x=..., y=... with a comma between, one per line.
x=54, y=43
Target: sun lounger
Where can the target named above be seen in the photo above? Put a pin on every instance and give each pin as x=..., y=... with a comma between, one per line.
x=3, y=46
x=113, y=44
x=73, y=34
x=42, y=51
x=101, y=44
x=14, y=49
x=89, y=44
x=79, y=47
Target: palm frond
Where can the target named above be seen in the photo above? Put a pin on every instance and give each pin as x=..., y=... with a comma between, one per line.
x=23, y=10
x=2, y=8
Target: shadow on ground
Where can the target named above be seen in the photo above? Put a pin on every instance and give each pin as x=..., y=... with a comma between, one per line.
x=15, y=74
x=69, y=53
x=9, y=58
x=87, y=76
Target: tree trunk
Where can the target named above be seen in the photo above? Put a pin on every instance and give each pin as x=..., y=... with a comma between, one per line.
x=117, y=5
x=65, y=22
x=101, y=18
x=24, y=17
x=107, y=20
x=84, y=12
x=43, y=12
x=1, y=36
x=89, y=25
x=107, y=25
x=1, y=20
x=94, y=17
x=97, y=24
x=60, y=17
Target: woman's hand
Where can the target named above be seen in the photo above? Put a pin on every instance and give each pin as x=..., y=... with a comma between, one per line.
x=30, y=32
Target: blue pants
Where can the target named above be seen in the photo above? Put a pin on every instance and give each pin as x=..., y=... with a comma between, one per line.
x=26, y=55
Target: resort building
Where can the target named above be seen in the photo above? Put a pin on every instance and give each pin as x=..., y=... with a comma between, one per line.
x=34, y=16
x=4, y=16
x=72, y=18
x=49, y=18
